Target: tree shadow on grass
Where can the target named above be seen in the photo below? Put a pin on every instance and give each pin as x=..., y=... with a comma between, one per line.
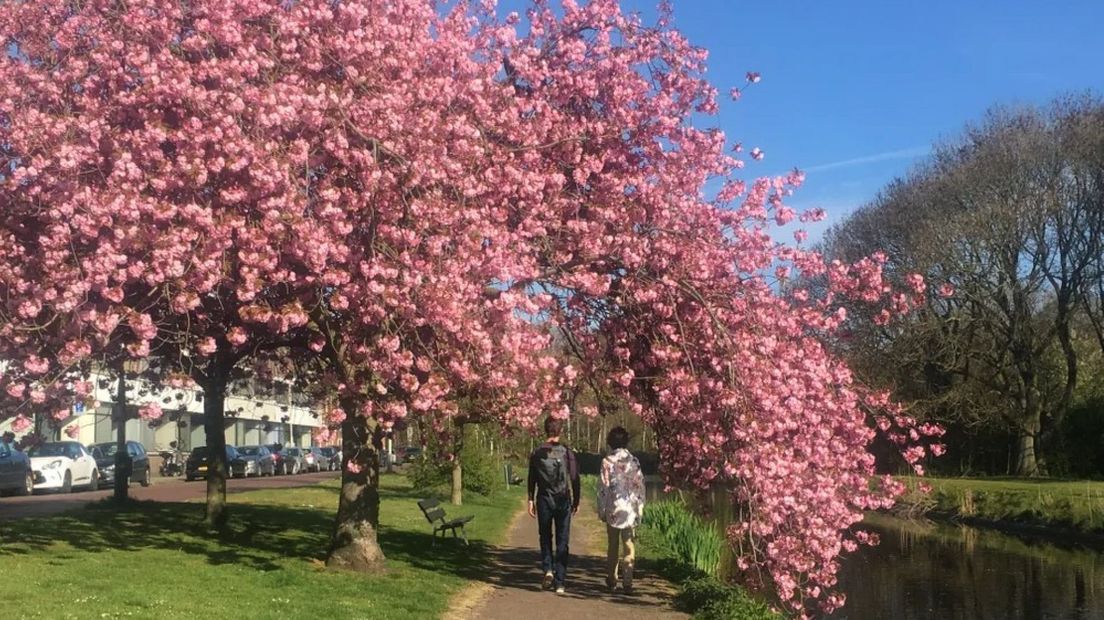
x=255, y=537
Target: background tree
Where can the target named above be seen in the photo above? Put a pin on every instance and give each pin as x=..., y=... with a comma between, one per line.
x=1008, y=216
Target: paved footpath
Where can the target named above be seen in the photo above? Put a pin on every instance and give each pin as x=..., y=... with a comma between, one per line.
x=515, y=591
x=162, y=490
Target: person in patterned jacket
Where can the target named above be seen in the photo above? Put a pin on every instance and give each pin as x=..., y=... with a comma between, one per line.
x=620, y=506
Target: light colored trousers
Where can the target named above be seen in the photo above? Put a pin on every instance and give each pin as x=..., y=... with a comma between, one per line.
x=615, y=538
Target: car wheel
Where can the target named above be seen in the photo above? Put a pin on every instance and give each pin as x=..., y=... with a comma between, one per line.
x=146, y=479
x=28, y=484
x=94, y=481
x=67, y=482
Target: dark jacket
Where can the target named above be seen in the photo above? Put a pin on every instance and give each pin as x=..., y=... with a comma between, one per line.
x=572, y=473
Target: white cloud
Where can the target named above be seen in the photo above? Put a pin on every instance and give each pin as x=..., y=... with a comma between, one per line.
x=909, y=153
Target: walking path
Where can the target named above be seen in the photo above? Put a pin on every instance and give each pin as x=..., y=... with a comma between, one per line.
x=515, y=591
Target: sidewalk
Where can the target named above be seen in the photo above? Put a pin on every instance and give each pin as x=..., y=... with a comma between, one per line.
x=515, y=590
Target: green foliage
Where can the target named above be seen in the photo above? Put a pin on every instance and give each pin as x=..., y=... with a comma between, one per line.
x=665, y=538
x=428, y=473
x=1081, y=450
x=707, y=598
x=482, y=469
x=693, y=541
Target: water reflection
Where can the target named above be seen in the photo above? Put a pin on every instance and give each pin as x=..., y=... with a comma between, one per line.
x=924, y=571
x=927, y=570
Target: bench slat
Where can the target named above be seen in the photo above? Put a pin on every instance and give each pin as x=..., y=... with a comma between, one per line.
x=433, y=515
x=426, y=504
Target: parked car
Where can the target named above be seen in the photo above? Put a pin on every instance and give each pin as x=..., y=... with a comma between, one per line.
x=321, y=461
x=310, y=460
x=334, y=456
x=63, y=465
x=196, y=466
x=411, y=454
x=258, y=460
x=16, y=473
x=104, y=453
x=278, y=459
x=294, y=460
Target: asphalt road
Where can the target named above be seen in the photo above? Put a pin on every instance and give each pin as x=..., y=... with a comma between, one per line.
x=162, y=490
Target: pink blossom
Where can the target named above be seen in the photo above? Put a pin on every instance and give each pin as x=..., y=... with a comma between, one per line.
x=237, y=336
x=36, y=365
x=20, y=423
x=150, y=411
x=206, y=346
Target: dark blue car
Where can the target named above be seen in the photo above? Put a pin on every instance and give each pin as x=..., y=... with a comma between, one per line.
x=15, y=471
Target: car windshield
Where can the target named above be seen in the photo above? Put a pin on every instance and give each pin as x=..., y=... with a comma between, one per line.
x=104, y=450
x=292, y=451
x=328, y=451
x=52, y=449
x=249, y=451
x=199, y=453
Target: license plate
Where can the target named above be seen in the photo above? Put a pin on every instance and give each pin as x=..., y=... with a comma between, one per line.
x=202, y=468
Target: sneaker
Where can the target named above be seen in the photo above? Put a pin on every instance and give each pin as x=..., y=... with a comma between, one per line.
x=626, y=578
x=559, y=589
x=546, y=583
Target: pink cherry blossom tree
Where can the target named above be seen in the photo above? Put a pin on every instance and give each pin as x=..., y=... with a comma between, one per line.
x=417, y=197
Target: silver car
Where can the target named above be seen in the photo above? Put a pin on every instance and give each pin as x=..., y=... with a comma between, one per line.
x=259, y=460
x=293, y=461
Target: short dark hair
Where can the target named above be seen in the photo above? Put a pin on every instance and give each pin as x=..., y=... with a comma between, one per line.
x=618, y=438
x=553, y=426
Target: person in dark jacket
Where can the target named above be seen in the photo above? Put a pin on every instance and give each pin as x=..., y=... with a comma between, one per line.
x=553, y=498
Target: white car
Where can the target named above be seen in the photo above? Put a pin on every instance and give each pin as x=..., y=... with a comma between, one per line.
x=62, y=465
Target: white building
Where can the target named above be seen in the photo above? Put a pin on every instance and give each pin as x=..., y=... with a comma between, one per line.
x=249, y=420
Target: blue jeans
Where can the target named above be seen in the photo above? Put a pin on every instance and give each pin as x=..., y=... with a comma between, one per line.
x=554, y=511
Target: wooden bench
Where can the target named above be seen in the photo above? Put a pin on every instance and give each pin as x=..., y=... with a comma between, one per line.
x=433, y=512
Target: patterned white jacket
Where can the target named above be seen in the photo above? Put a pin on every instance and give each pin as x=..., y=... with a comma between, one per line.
x=621, y=490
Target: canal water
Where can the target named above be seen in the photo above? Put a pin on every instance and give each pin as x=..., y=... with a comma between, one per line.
x=924, y=571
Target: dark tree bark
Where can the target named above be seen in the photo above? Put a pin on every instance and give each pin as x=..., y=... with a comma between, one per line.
x=354, y=544
x=214, y=423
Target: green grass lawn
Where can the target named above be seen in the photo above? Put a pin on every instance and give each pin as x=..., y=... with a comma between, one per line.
x=1073, y=505
x=152, y=560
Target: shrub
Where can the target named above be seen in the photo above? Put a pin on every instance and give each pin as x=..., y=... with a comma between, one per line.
x=693, y=540
x=707, y=598
x=482, y=470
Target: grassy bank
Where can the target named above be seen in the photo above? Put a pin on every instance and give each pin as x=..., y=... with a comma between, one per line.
x=678, y=546
x=151, y=560
x=1064, y=506
x=683, y=549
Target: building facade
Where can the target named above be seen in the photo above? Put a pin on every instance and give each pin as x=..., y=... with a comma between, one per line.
x=249, y=420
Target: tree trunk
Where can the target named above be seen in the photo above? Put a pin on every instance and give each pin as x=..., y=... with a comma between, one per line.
x=122, y=460
x=355, y=544
x=214, y=421
x=457, y=467
x=457, y=482
x=1026, y=463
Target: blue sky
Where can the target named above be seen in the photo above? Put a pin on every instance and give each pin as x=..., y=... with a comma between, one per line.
x=856, y=92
